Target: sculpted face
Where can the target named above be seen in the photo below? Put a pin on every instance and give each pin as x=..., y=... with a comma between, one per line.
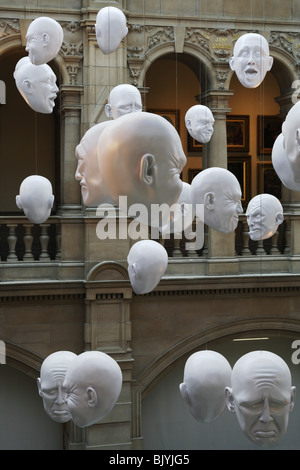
x=261, y=395
x=110, y=29
x=44, y=39
x=282, y=165
x=251, y=60
x=264, y=214
x=123, y=99
x=199, y=122
x=35, y=198
x=291, y=140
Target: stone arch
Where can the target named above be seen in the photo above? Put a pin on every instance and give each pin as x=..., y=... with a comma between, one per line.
x=108, y=271
x=23, y=360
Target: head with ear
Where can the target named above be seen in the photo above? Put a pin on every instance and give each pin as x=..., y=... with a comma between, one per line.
x=291, y=140
x=44, y=39
x=264, y=215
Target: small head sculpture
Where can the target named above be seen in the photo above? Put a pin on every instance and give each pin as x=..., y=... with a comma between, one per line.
x=44, y=39
x=123, y=99
x=110, y=29
x=264, y=215
x=35, y=198
x=199, y=122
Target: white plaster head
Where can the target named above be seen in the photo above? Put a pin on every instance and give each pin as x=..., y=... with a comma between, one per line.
x=35, y=198
x=141, y=157
x=261, y=395
x=220, y=193
x=93, y=189
x=110, y=29
x=206, y=375
x=291, y=140
x=44, y=39
x=251, y=60
x=50, y=385
x=93, y=383
x=147, y=262
x=282, y=165
x=182, y=213
x=264, y=215
x=199, y=121
x=37, y=85
x=123, y=99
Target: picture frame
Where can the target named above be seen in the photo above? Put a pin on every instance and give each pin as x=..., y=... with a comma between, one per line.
x=193, y=145
x=192, y=172
x=237, y=129
x=172, y=115
x=240, y=166
x=267, y=180
x=268, y=129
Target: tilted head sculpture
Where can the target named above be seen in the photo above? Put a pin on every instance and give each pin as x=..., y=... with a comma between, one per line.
x=37, y=85
x=264, y=215
x=35, y=198
x=261, y=395
x=93, y=383
x=147, y=262
x=182, y=213
x=199, y=121
x=110, y=29
x=50, y=385
x=282, y=165
x=206, y=375
x=220, y=193
x=123, y=99
x=291, y=140
x=44, y=39
x=251, y=60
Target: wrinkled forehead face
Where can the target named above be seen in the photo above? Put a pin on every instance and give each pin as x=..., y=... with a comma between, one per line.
x=124, y=101
x=251, y=59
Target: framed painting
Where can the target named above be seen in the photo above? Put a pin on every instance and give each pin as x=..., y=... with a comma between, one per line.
x=237, y=128
x=240, y=166
x=193, y=145
x=192, y=172
x=268, y=180
x=171, y=115
x=268, y=129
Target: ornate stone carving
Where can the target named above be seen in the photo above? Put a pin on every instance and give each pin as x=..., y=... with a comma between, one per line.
x=289, y=42
x=9, y=27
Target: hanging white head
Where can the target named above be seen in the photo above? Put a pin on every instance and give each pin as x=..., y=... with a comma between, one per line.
x=35, y=198
x=110, y=29
x=199, y=121
x=44, y=39
x=264, y=215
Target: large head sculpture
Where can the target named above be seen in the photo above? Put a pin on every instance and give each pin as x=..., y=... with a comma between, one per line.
x=261, y=395
x=199, y=122
x=282, y=165
x=37, y=85
x=93, y=383
x=110, y=29
x=50, y=385
x=251, y=60
x=123, y=99
x=147, y=262
x=206, y=375
x=264, y=214
x=220, y=193
x=35, y=198
x=182, y=213
x=44, y=39
x=291, y=140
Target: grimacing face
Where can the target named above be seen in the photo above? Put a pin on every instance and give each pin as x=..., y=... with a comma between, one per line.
x=228, y=207
x=128, y=101
x=47, y=90
x=200, y=123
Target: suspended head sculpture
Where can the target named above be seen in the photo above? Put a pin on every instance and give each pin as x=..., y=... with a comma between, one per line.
x=35, y=198
x=93, y=383
x=220, y=193
x=37, y=85
x=141, y=157
x=264, y=214
x=291, y=140
x=199, y=122
x=44, y=39
x=110, y=29
x=183, y=213
x=50, y=385
x=261, y=395
x=282, y=165
x=123, y=99
x=251, y=60
x=147, y=262
x=206, y=375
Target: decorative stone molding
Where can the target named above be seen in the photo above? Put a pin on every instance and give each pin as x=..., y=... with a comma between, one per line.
x=72, y=50
x=9, y=27
x=288, y=42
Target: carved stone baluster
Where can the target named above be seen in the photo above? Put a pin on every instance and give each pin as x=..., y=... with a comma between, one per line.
x=260, y=248
x=12, y=240
x=176, y=253
x=274, y=250
x=44, y=239
x=28, y=238
x=245, y=236
x=58, y=241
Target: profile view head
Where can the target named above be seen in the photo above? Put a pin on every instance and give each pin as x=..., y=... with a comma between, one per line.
x=35, y=198
x=264, y=214
x=251, y=60
x=50, y=385
x=206, y=375
x=147, y=262
x=37, y=85
x=93, y=383
x=199, y=121
x=220, y=193
x=44, y=39
x=261, y=395
x=291, y=140
x=123, y=99
x=282, y=166
x=110, y=29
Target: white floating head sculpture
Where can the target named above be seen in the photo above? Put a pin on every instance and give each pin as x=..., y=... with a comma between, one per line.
x=37, y=85
x=93, y=383
x=141, y=157
x=44, y=39
x=206, y=375
x=50, y=385
x=147, y=262
x=291, y=140
x=35, y=198
x=261, y=395
x=123, y=99
x=220, y=193
x=110, y=29
x=282, y=165
x=251, y=60
x=182, y=213
x=199, y=121
x=264, y=215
